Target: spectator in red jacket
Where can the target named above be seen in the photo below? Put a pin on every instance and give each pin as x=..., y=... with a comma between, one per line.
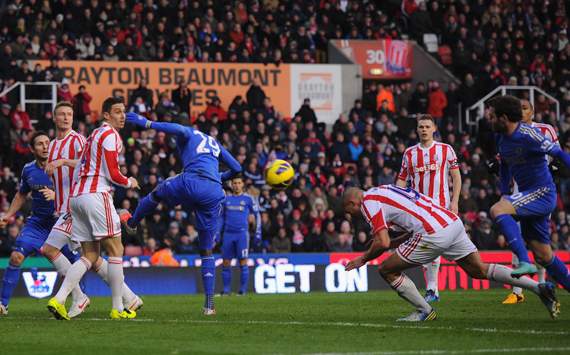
x=64, y=93
x=437, y=103
x=81, y=108
x=21, y=119
x=215, y=108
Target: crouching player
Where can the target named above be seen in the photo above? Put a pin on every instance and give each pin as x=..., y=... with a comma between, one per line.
x=239, y=211
x=432, y=231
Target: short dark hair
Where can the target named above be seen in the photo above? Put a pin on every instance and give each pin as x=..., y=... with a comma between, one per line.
x=109, y=102
x=36, y=135
x=426, y=117
x=62, y=104
x=506, y=105
x=238, y=176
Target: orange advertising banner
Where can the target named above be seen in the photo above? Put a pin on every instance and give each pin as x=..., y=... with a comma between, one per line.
x=205, y=80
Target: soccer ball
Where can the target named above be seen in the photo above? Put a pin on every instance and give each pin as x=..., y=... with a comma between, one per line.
x=279, y=174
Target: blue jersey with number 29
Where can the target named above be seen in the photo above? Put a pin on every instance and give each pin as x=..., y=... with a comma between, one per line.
x=201, y=154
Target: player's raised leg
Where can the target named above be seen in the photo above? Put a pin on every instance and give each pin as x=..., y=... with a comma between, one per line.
x=475, y=268
x=145, y=206
x=502, y=212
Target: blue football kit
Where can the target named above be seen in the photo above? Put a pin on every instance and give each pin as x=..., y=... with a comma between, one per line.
x=198, y=188
x=37, y=227
x=235, y=235
x=522, y=157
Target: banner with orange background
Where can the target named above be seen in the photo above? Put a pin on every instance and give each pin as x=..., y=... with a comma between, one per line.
x=205, y=80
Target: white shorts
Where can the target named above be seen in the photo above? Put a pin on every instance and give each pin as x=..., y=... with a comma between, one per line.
x=60, y=234
x=452, y=242
x=94, y=217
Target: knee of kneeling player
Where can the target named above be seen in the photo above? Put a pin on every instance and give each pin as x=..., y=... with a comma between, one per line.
x=386, y=274
x=16, y=259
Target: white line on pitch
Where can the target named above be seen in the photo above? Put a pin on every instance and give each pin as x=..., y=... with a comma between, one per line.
x=350, y=324
x=437, y=352
x=328, y=324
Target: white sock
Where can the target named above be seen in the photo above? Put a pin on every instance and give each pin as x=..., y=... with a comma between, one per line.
x=541, y=273
x=408, y=291
x=62, y=265
x=116, y=277
x=432, y=275
x=516, y=290
x=502, y=274
x=128, y=294
x=72, y=278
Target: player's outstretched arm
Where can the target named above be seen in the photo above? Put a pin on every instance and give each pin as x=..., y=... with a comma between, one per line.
x=166, y=127
x=380, y=244
x=17, y=203
x=231, y=162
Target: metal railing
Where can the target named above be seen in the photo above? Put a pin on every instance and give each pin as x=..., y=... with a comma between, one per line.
x=471, y=120
x=24, y=100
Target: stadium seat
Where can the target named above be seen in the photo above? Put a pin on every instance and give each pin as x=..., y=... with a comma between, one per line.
x=430, y=42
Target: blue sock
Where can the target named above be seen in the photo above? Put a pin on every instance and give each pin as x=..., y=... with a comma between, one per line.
x=559, y=272
x=145, y=207
x=227, y=278
x=11, y=278
x=209, y=280
x=71, y=256
x=243, y=279
x=512, y=233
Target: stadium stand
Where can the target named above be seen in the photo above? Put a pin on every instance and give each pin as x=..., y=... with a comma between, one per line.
x=485, y=43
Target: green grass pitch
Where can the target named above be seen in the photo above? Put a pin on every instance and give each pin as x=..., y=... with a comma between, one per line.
x=363, y=323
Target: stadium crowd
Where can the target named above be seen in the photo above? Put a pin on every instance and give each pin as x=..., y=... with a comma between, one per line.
x=491, y=43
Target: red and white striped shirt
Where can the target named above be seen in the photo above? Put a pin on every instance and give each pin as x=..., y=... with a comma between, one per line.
x=403, y=208
x=547, y=130
x=428, y=169
x=100, y=163
x=70, y=147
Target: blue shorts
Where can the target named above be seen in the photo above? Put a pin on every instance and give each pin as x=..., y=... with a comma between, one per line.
x=533, y=207
x=33, y=236
x=203, y=196
x=235, y=245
